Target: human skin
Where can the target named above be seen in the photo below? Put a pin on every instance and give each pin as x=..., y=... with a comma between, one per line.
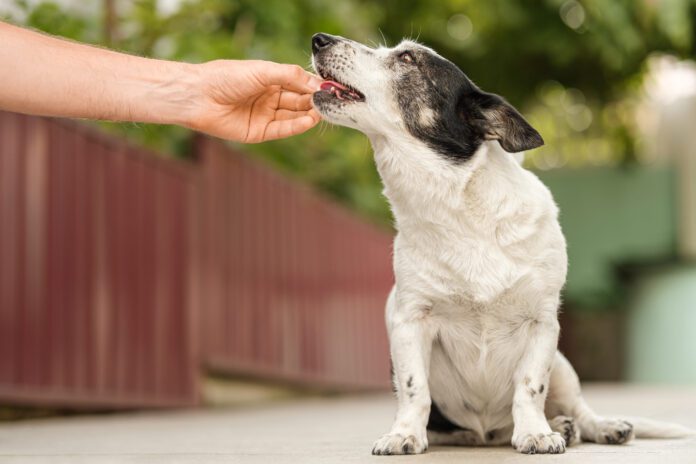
x=246, y=101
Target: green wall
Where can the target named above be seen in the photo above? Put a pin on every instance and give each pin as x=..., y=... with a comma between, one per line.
x=661, y=330
x=612, y=216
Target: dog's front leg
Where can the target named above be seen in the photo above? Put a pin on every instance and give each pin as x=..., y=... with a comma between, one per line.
x=410, y=341
x=532, y=433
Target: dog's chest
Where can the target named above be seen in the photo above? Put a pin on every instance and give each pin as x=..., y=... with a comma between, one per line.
x=452, y=266
x=473, y=360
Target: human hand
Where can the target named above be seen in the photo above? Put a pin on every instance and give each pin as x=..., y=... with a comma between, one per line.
x=253, y=101
x=246, y=101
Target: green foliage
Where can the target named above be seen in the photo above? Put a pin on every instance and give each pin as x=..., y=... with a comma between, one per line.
x=569, y=65
x=50, y=17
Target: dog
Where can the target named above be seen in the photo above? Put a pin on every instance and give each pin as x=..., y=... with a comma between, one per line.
x=479, y=258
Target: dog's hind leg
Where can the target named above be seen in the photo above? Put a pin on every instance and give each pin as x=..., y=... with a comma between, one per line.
x=443, y=432
x=466, y=437
x=568, y=429
x=566, y=399
x=461, y=437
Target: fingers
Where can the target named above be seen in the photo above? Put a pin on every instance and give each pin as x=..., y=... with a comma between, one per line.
x=288, y=76
x=295, y=101
x=281, y=128
x=282, y=115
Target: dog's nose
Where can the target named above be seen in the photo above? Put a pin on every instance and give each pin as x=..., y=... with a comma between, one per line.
x=321, y=40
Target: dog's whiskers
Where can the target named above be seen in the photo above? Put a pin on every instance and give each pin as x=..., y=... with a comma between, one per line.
x=323, y=127
x=420, y=29
x=384, y=39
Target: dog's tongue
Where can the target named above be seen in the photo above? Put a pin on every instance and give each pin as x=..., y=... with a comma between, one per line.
x=328, y=85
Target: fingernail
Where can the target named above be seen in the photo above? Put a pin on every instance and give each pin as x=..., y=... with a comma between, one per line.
x=315, y=84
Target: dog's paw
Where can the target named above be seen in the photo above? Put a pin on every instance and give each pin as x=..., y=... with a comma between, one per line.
x=540, y=443
x=396, y=443
x=567, y=428
x=614, y=432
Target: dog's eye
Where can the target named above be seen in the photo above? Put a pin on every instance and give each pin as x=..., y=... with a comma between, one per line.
x=407, y=57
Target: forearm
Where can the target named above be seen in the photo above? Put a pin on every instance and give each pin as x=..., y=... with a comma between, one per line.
x=43, y=75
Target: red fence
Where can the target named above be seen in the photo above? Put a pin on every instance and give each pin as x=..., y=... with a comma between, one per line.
x=94, y=269
x=122, y=273
x=294, y=286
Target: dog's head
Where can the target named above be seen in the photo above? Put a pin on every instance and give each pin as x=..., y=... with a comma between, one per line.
x=386, y=91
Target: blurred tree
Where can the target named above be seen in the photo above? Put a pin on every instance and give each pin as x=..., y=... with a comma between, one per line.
x=110, y=22
x=570, y=65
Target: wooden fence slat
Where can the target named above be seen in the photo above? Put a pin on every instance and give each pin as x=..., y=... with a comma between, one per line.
x=123, y=275
x=305, y=281
x=78, y=224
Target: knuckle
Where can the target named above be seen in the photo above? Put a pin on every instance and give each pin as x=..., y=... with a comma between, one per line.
x=296, y=71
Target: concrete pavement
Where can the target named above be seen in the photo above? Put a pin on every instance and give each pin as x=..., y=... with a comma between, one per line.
x=319, y=430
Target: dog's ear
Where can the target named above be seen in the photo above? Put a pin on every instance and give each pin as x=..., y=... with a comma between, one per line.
x=496, y=119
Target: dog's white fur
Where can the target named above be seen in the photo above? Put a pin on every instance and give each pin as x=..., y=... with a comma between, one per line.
x=480, y=261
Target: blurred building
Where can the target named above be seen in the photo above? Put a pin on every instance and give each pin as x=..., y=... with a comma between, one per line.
x=631, y=234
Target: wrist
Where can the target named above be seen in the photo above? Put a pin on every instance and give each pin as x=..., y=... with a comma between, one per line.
x=170, y=94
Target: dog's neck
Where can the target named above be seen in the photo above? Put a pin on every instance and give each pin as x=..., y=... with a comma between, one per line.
x=475, y=195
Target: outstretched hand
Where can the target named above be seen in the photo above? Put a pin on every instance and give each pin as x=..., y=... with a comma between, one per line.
x=254, y=101
x=245, y=101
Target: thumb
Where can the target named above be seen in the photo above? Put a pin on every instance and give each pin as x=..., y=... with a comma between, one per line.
x=288, y=76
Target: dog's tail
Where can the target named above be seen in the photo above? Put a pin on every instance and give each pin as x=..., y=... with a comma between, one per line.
x=649, y=428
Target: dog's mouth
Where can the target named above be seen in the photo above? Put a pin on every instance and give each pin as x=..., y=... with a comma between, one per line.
x=339, y=90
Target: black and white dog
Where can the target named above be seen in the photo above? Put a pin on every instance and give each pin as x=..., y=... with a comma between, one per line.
x=479, y=257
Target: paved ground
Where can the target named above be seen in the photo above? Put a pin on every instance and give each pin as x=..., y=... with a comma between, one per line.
x=311, y=431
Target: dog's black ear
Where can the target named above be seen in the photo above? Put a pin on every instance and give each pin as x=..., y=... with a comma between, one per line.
x=496, y=119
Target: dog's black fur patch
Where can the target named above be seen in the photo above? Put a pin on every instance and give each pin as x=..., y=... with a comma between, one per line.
x=437, y=422
x=458, y=115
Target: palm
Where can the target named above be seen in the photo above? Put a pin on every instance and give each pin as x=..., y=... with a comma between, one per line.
x=243, y=106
